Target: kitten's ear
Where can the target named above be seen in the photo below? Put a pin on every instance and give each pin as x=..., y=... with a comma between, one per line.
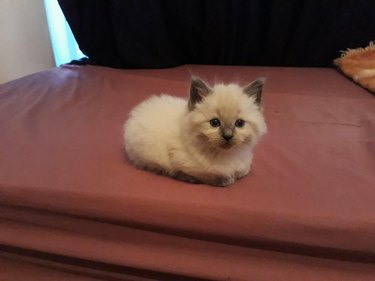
x=255, y=89
x=198, y=90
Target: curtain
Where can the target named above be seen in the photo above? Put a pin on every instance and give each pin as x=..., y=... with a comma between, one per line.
x=157, y=33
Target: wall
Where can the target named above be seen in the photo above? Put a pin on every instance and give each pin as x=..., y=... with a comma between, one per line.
x=25, y=45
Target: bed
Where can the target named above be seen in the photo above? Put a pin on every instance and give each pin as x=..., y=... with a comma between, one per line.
x=73, y=208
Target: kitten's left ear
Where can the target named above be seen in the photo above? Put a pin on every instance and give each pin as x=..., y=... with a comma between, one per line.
x=198, y=90
x=255, y=89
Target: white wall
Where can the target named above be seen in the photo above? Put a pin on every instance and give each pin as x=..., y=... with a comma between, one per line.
x=25, y=45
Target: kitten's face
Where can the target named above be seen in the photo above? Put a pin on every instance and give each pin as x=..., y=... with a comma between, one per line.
x=227, y=117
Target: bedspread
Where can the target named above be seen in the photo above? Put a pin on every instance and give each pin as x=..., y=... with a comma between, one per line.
x=70, y=202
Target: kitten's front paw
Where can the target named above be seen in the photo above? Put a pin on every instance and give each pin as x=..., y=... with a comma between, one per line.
x=241, y=174
x=223, y=182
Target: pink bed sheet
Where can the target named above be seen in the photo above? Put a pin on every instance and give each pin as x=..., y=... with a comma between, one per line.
x=307, y=211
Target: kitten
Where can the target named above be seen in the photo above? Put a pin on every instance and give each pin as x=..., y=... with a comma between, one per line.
x=206, y=139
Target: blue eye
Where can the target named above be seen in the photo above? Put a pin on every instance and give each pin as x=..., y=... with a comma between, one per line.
x=215, y=122
x=239, y=123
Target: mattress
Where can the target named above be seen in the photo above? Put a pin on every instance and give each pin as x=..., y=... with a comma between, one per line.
x=72, y=206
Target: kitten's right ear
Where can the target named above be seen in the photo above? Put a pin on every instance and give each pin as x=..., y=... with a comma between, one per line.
x=198, y=90
x=255, y=89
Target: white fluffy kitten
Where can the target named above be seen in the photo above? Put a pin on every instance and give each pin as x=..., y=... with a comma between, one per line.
x=206, y=139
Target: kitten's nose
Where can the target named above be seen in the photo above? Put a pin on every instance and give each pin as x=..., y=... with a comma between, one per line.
x=227, y=136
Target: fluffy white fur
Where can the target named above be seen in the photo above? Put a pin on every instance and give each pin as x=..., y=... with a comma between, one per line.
x=173, y=136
